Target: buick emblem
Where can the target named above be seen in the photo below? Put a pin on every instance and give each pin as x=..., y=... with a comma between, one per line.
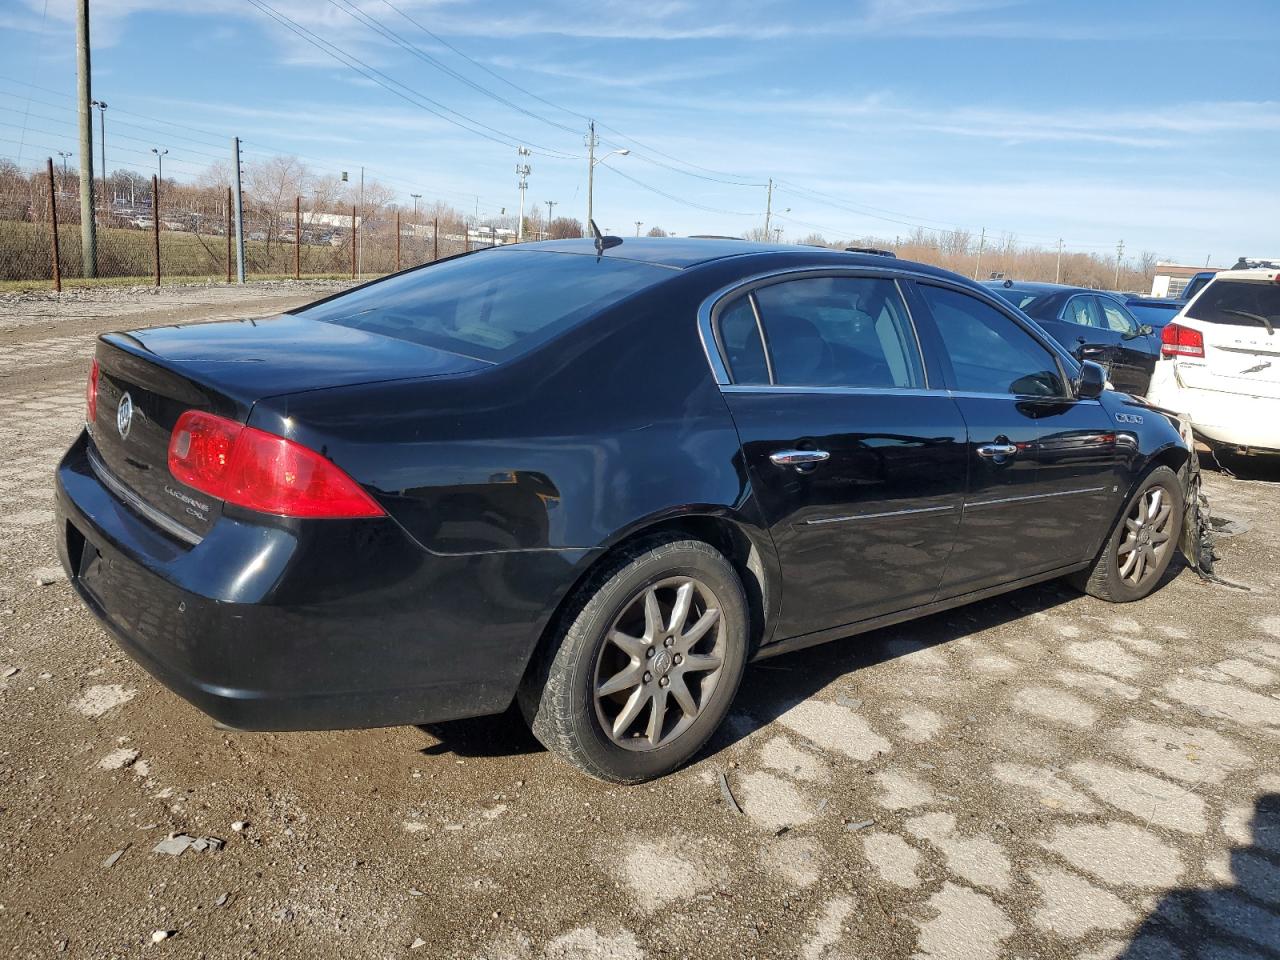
x=124, y=416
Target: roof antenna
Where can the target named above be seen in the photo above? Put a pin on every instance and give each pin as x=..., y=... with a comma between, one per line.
x=603, y=243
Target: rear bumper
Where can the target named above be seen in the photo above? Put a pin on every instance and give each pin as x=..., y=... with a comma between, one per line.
x=1237, y=419
x=319, y=625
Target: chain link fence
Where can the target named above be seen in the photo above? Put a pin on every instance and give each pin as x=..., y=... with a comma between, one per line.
x=190, y=234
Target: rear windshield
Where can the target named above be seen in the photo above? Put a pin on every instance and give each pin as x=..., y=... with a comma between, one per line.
x=491, y=305
x=1019, y=298
x=1245, y=303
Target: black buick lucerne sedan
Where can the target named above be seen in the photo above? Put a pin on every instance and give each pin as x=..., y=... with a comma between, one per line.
x=595, y=479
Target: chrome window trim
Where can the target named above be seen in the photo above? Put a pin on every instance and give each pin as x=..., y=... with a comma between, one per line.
x=836, y=391
x=764, y=337
x=137, y=504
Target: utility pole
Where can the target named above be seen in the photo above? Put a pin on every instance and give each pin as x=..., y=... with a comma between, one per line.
x=239, y=203
x=638, y=223
x=550, y=204
x=416, y=198
x=1057, y=273
x=62, y=187
x=982, y=242
x=88, y=231
x=768, y=209
x=360, y=249
x=1119, y=254
x=522, y=169
x=592, y=140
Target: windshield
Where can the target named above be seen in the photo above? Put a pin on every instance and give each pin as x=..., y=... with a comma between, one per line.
x=491, y=305
x=1245, y=303
x=1019, y=298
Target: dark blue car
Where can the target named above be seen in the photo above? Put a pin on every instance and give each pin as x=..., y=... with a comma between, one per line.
x=1158, y=311
x=1093, y=325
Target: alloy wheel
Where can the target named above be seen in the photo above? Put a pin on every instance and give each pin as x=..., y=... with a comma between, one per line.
x=1148, y=536
x=659, y=664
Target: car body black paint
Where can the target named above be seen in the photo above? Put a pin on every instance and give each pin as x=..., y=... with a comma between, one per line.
x=504, y=483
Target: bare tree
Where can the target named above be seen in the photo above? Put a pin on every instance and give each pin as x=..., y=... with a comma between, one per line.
x=656, y=232
x=564, y=227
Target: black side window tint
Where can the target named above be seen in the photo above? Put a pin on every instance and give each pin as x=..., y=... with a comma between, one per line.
x=840, y=332
x=740, y=341
x=990, y=353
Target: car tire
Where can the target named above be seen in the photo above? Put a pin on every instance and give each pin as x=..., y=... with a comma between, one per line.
x=1117, y=575
x=617, y=653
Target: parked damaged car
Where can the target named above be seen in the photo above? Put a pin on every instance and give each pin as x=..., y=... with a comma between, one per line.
x=595, y=479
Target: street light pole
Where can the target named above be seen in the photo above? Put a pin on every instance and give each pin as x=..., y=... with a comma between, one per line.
x=160, y=161
x=65, y=157
x=102, y=139
x=592, y=142
x=638, y=223
x=550, y=204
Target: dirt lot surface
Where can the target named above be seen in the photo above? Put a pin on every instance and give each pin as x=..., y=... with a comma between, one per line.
x=1039, y=775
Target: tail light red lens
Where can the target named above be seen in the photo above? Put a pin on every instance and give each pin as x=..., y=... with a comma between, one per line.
x=91, y=393
x=261, y=471
x=1179, y=341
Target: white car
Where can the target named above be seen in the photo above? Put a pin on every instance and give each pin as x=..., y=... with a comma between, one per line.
x=1220, y=361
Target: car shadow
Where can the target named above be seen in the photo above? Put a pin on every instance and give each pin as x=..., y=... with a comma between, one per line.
x=1261, y=467
x=772, y=687
x=1232, y=919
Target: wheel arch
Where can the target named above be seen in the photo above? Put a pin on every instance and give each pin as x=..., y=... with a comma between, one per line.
x=748, y=548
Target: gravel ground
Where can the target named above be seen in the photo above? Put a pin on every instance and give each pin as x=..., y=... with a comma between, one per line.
x=1038, y=775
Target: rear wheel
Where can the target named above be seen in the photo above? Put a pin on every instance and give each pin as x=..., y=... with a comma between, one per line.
x=1139, y=550
x=645, y=665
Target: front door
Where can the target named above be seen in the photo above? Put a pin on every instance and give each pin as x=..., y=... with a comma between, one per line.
x=1029, y=502
x=857, y=465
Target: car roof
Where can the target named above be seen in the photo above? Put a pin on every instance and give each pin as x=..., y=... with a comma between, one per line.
x=1042, y=288
x=1250, y=273
x=683, y=252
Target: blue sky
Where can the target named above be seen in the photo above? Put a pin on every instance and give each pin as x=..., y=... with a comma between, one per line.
x=1153, y=123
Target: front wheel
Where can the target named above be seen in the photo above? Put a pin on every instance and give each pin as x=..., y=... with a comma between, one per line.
x=645, y=665
x=1139, y=550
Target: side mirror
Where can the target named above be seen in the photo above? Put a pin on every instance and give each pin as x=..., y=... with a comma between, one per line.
x=1091, y=382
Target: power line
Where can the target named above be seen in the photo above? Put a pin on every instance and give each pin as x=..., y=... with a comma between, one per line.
x=405, y=92
x=675, y=199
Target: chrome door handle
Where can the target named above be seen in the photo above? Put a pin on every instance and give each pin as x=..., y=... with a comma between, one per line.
x=993, y=450
x=798, y=458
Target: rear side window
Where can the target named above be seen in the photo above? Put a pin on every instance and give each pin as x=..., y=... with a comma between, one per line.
x=1018, y=298
x=740, y=340
x=491, y=305
x=1246, y=303
x=839, y=332
x=989, y=353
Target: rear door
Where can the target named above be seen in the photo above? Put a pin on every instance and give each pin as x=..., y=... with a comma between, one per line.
x=856, y=458
x=1040, y=463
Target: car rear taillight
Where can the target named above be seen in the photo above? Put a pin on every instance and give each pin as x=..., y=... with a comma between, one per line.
x=91, y=393
x=261, y=471
x=1179, y=341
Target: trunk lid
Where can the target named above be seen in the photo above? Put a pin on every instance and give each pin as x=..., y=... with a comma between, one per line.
x=224, y=368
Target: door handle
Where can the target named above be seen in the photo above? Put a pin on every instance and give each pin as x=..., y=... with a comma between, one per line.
x=994, y=451
x=799, y=458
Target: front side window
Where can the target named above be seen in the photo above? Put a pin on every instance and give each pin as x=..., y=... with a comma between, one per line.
x=1082, y=311
x=840, y=332
x=989, y=352
x=491, y=305
x=1245, y=303
x=1118, y=318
